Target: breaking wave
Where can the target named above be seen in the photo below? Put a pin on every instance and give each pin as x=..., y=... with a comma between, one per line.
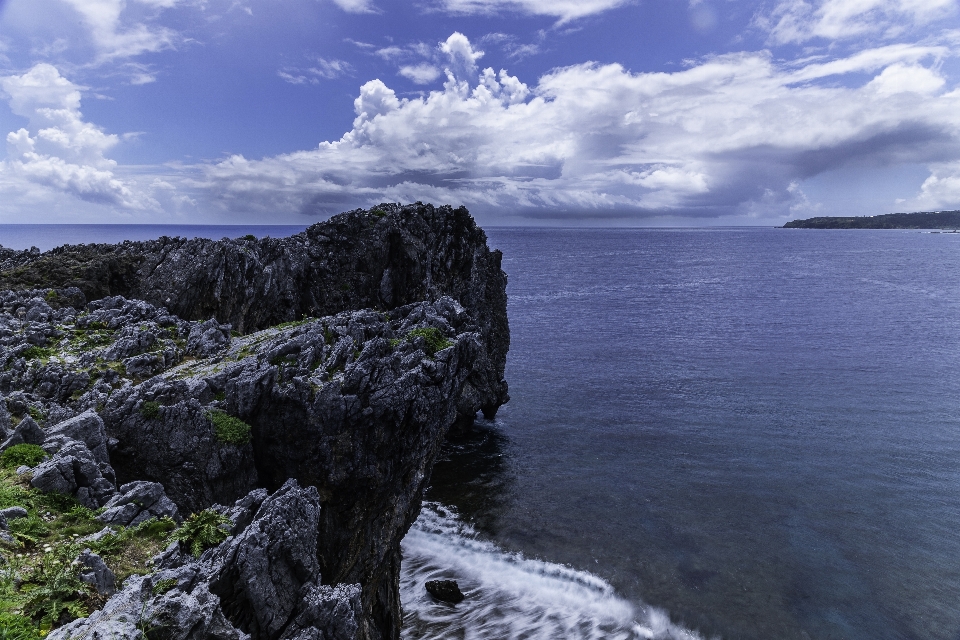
x=509, y=596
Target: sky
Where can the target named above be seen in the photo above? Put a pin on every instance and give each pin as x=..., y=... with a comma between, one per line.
x=528, y=112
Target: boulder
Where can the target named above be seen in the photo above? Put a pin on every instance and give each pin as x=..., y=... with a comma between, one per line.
x=87, y=428
x=27, y=432
x=138, y=502
x=74, y=471
x=445, y=590
x=96, y=573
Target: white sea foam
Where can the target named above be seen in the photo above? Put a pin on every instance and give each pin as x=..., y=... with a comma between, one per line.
x=509, y=596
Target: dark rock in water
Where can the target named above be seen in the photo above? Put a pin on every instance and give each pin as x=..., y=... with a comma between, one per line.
x=385, y=258
x=445, y=590
x=263, y=583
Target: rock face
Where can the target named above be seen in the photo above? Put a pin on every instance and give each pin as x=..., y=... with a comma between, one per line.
x=262, y=583
x=183, y=414
x=385, y=258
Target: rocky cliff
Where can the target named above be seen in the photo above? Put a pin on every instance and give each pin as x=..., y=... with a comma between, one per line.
x=184, y=414
x=384, y=258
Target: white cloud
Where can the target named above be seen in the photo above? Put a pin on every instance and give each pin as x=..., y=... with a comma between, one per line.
x=940, y=191
x=320, y=69
x=565, y=10
x=116, y=37
x=60, y=151
x=356, y=6
x=423, y=73
x=734, y=134
x=461, y=56
x=800, y=21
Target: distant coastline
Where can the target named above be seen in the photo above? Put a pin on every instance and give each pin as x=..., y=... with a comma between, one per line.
x=923, y=220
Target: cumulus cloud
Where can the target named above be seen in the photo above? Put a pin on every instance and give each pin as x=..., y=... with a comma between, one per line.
x=461, y=55
x=115, y=35
x=60, y=151
x=735, y=134
x=800, y=20
x=565, y=10
x=423, y=73
x=940, y=191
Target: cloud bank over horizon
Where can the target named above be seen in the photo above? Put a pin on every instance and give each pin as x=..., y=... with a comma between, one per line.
x=737, y=136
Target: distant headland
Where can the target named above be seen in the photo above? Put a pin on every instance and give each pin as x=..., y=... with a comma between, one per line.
x=924, y=220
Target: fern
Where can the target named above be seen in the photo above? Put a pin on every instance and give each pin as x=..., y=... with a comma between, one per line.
x=202, y=530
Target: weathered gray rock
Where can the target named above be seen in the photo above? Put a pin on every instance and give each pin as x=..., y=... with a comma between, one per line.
x=27, y=432
x=263, y=583
x=384, y=258
x=353, y=404
x=96, y=573
x=87, y=428
x=74, y=471
x=138, y=502
x=209, y=337
x=12, y=513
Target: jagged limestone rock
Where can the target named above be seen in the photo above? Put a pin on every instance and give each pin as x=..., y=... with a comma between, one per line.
x=262, y=583
x=137, y=502
x=387, y=257
x=96, y=573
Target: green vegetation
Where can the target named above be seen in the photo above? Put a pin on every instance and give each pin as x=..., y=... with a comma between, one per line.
x=20, y=454
x=33, y=352
x=380, y=213
x=433, y=339
x=924, y=220
x=229, y=430
x=39, y=583
x=36, y=413
x=293, y=323
x=202, y=530
x=150, y=410
x=51, y=296
x=249, y=236
x=162, y=586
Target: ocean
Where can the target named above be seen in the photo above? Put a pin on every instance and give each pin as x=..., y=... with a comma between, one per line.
x=737, y=433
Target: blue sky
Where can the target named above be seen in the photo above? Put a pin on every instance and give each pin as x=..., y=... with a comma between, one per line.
x=594, y=112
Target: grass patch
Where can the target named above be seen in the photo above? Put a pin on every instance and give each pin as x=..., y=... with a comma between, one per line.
x=22, y=454
x=39, y=584
x=150, y=410
x=33, y=352
x=36, y=413
x=293, y=323
x=229, y=430
x=433, y=339
x=202, y=530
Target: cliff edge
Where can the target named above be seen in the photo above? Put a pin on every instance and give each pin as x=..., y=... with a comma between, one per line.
x=147, y=414
x=382, y=258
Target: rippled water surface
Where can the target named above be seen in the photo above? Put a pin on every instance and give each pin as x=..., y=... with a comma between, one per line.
x=738, y=433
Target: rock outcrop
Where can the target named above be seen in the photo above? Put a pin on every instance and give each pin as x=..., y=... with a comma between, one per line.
x=149, y=414
x=384, y=258
x=262, y=583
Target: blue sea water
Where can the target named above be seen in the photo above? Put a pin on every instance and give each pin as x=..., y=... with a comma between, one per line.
x=753, y=433
x=724, y=433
